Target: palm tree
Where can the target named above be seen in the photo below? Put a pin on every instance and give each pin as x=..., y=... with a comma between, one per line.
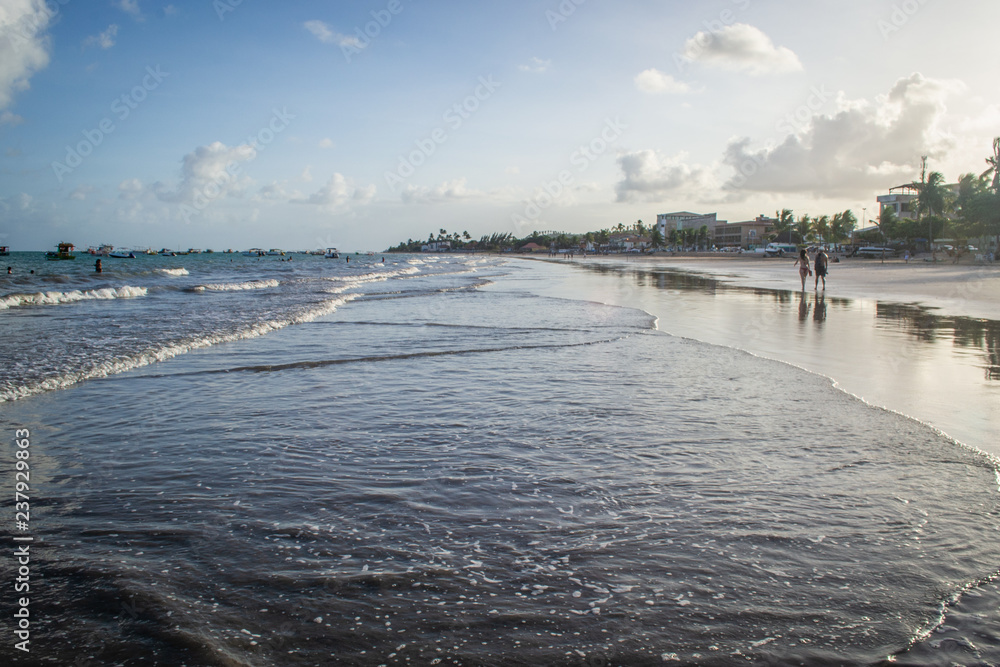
x=932, y=198
x=994, y=162
x=620, y=227
x=842, y=225
x=821, y=227
x=803, y=227
x=783, y=223
x=640, y=228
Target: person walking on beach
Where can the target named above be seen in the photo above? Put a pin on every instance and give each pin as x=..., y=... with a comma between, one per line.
x=803, y=263
x=821, y=263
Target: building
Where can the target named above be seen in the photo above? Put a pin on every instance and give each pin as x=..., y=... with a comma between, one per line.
x=668, y=222
x=532, y=247
x=902, y=199
x=436, y=246
x=746, y=235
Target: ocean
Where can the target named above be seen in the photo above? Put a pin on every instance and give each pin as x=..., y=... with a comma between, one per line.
x=482, y=461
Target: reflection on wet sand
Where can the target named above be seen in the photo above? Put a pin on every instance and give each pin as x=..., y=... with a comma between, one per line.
x=964, y=332
x=918, y=322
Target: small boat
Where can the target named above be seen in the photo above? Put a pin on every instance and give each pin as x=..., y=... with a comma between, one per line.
x=275, y=252
x=332, y=253
x=4, y=251
x=122, y=254
x=65, y=252
x=253, y=252
x=167, y=253
x=195, y=251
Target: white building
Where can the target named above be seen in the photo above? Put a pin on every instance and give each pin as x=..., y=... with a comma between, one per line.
x=668, y=222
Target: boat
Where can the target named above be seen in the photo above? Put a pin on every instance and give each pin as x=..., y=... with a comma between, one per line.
x=332, y=253
x=4, y=251
x=122, y=254
x=102, y=250
x=275, y=252
x=165, y=252
x=253, y=252
x=65, y=252
x=195, y=251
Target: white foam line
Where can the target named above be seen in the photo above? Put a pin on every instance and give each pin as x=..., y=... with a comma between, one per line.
x=52, y=298
x=235, y=287
x=175, y=272
x=147, y=357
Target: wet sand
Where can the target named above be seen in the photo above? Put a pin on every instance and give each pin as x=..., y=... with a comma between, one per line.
x=963, y=290
x=919, y=339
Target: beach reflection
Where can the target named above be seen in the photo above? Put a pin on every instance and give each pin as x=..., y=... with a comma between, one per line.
x=942, y=370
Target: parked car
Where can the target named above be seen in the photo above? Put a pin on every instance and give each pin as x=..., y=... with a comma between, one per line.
x=781, y=249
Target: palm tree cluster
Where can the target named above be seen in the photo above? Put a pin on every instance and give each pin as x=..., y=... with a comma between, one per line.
x=823, y=229
x=970, y=212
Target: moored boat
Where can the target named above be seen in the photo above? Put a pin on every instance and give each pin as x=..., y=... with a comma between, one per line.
x=65, y=252
x=332, y=253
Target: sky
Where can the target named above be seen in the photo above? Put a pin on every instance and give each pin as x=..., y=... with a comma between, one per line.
x=301, y=125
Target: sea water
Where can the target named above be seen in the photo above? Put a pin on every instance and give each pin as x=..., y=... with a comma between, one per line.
x=423, y=461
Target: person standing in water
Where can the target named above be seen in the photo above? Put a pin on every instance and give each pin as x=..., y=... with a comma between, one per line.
x=821, y=265
x=97, y=267
x=803, y=263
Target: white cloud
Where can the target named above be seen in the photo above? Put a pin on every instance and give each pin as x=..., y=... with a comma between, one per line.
x=863, y=146
x=23, y=201
x=338, y=193
x=306, y=174
x=130, y=7
x=454, y=190
x=169, y=10
x=8, y=118
x=24, y=45
x=654, y=81
x=131, y=188
x=208, y=173
x=323, y=33
x=649, y=176
x=105, y=40
x=81, y=192
x=537, y=65
x=326, y=143
x=740, y=48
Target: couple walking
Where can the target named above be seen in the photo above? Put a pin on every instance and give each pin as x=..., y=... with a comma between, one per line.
x=821, y=263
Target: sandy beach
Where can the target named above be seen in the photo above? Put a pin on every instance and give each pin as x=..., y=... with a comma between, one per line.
x=969, y=290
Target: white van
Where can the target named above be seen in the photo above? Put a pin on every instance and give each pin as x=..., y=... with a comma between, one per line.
x=781, y=249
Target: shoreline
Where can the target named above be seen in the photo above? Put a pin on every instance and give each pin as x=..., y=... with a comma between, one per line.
x=953, y=290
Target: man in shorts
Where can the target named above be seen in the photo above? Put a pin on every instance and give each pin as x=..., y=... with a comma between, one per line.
x=820, y=265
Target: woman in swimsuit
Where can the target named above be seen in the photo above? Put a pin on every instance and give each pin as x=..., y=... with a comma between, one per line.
x=804, y=271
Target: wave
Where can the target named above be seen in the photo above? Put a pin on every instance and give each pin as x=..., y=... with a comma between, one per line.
x=170, y=350
x=51, y=298
x=175, y=272
x=374, y=276
x=235, y=287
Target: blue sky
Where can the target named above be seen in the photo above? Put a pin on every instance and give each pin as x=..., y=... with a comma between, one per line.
x=229, y=124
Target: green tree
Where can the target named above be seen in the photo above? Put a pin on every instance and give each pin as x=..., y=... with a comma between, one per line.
x=821, y=227
x=803, y=228
x=657, y=238
x=842, y=225
x=782, y=224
